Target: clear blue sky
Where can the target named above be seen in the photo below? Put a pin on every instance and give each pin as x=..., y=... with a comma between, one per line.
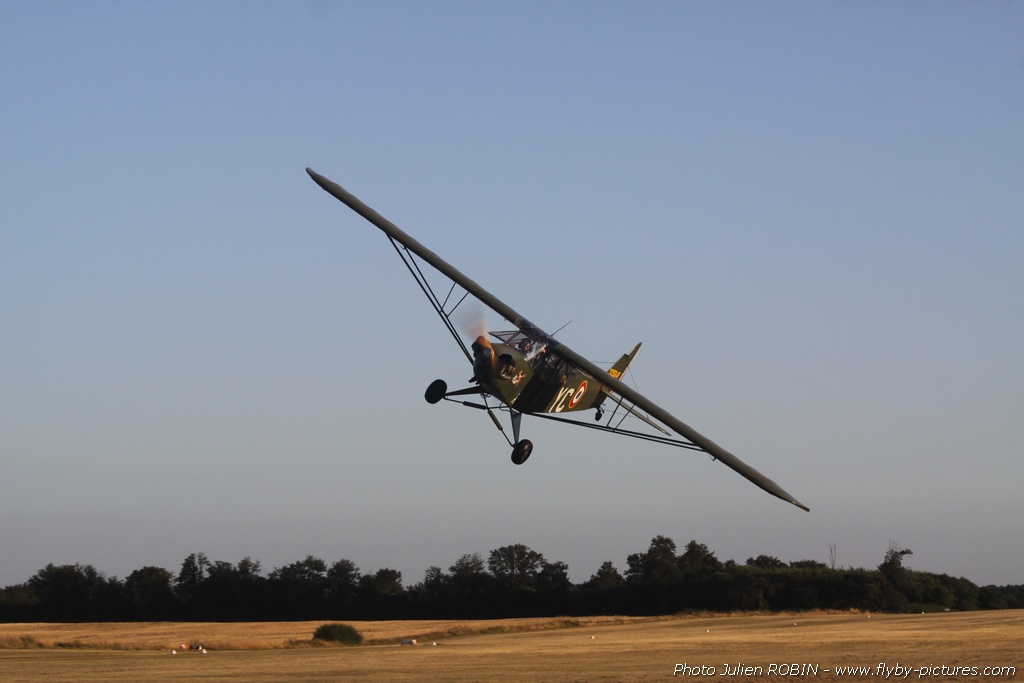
x=812, y=214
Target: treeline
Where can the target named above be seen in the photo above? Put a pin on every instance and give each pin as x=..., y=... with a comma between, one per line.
x=514, y=581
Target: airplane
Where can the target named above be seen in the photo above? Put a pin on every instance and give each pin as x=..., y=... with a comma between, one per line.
x=529, y=372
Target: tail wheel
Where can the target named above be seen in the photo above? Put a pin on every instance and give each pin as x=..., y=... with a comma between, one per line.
x=521, y=451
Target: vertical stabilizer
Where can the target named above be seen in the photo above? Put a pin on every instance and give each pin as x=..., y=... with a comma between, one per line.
x=620, y=366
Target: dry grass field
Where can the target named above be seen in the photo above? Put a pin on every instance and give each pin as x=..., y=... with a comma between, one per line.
x=804, y=647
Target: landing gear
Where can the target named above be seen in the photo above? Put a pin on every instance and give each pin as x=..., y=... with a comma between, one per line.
x=521, y=451
x=436, y=391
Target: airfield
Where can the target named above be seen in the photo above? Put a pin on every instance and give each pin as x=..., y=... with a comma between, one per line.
x=808, y=647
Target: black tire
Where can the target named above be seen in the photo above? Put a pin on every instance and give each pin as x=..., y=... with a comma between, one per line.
x=436, y=391
x=521, y=451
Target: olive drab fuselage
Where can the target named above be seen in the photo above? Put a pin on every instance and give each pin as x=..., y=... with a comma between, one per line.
x=524, y=376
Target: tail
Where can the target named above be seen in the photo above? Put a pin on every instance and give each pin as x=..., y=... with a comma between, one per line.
x=620, y=366
x=617, y=371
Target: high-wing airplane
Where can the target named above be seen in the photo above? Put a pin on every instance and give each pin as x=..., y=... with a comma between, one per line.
x=529, y=372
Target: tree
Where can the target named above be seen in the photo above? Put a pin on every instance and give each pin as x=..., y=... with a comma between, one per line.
x=150, y=592
x=342, y=584
x=191, y=576
x=469, y=567
x=515, y=566
x=381, y=595
x=514, y=581
x=657, y=566
x=899, y=587
x=301, y=588
x=893, y=562
x=434, y=579
x=248, y=568
x=385, y=582
x=471, y=587
x=606, y=577
x=765, y=562
x=17, y=603
x=219, y=570
x=343, y=576
x=553, y=577
x=71, y=592
x=311, y=570
x=807, y=564
x=231, y=592
x=697, y=560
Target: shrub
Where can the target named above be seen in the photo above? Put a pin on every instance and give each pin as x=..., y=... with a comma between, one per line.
x=338, y=633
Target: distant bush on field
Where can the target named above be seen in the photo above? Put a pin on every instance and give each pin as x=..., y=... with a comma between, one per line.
x=338, y=633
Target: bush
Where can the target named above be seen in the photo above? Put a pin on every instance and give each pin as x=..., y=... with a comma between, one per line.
x=338, y=633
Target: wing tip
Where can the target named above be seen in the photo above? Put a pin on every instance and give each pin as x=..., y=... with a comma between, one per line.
x=800, y=505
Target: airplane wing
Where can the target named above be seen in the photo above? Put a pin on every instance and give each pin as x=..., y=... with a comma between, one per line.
x=508, y=313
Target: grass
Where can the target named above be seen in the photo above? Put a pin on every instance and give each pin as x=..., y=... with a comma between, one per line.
x=265, y=635
x=556, y=650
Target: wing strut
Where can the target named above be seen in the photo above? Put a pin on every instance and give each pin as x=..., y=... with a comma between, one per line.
x=439, y=306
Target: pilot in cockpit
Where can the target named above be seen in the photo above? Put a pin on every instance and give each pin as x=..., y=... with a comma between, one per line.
x=506, y=366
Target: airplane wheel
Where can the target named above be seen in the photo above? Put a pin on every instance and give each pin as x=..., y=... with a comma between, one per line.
x=521, y=451
x=436, y=391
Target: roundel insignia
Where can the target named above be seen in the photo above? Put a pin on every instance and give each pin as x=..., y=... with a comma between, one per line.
x=578, y=395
